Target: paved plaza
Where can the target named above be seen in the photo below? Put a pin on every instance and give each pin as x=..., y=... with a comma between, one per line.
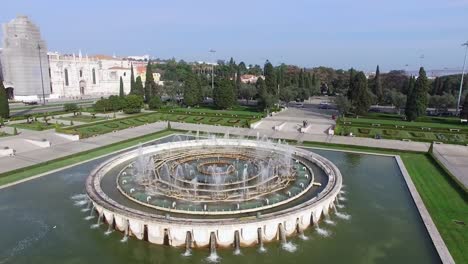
x=455, y=159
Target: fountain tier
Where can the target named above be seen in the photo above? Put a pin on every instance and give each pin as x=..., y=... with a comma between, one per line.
x=239, y=191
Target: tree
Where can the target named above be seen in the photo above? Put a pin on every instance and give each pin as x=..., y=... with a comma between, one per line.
x=71, y=107
x=464, y=111
x=139, y=90
x=442, y=102
x=132, y=81
x=378, y=85
x=398, y=100
x=192, y=91
x=420, y=92
x=121, y=91
x=4, y=107
x=342, y=104
x=133, y=104
x=352, y=92
x=223, y=94
x=247, y=91
x=362, y=101
x=411, y=110
x=270, y=79
x=238, y=83
x=242, y=68
x=155, y=103
x=149, y=83
x=116, y=103
x=288, y=93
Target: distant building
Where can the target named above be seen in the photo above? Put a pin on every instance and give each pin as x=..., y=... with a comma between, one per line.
x=23, y=57
x=64, y=75
x=249, y=78
x=139, y=58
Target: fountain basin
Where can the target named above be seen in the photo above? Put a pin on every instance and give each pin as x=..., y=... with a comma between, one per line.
x=257, y=215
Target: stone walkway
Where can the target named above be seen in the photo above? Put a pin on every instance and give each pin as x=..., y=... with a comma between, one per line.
x=455, y=159
x=60, y=147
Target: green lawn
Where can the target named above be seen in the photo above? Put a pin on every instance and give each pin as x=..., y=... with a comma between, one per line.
x=82, y=118
x=239, y=110
x=34, y=125
x=103, y=127
x=390, y=127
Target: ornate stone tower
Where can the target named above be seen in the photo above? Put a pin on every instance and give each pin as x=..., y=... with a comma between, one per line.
x=24, y=60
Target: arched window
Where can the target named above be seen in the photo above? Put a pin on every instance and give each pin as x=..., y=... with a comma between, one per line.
x=66, y=77
x=94, y=76
x=81, y=73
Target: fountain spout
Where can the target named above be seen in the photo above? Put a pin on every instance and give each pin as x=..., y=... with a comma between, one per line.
x=188, y=244
x=237, y=243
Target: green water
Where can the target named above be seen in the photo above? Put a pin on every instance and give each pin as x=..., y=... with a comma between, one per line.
x=40, y=224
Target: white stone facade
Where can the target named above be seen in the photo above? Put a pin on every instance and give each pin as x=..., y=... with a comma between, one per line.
x=78, y=76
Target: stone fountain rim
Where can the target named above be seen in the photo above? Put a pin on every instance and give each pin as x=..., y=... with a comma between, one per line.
x=100, y=199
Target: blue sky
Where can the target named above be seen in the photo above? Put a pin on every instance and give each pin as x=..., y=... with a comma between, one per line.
x=335, y=33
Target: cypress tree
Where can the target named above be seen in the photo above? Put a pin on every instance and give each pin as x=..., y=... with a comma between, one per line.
x=270, y=78
x=378, y=85
x=260, y=84
x=238, y=82
x=132, y=81
x=362, y=101
x=139, y=90
x=223, y=94
x=351, y=87
x=149, y=82
x=301, y=79
x=411, y=110
x=421, y=88
x=121, y=92
x=4, y=107
x=192, y=90
x=464, y=111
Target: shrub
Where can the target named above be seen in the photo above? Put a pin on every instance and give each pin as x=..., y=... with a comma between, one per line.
x=155, y=103
x=133, y=104
x=417, y=134
x=102, y=105
x=391, y=132
x=364, y=130
x=71, y=107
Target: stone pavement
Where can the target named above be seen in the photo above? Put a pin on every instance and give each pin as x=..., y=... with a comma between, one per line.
x=455, y=159
x=61, y=147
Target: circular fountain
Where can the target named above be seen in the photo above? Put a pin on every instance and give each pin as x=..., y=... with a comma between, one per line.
x=214, y=192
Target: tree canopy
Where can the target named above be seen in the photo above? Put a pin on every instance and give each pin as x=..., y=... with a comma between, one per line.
x=4, y=107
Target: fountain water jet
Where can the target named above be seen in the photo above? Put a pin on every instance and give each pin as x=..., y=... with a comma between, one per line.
x=288, y=246
x=188, y=244
x=213, y=257
x=237, y=250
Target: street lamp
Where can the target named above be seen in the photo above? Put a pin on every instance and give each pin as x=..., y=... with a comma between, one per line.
x=212, y=51
x=461, y=82
x=42, y=78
